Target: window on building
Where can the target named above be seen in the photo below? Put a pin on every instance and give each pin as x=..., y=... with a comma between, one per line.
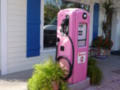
x=51, y=8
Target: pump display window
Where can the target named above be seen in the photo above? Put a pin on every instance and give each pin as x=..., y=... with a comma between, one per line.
x=51, y=8
x=82, y=35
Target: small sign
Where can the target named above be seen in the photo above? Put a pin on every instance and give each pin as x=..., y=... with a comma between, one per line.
x=81, y=57
x=82, y=35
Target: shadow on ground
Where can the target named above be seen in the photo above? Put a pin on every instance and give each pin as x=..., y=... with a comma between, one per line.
x=19, y=76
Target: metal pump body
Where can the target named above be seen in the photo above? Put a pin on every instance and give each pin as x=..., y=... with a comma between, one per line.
x=72, y=43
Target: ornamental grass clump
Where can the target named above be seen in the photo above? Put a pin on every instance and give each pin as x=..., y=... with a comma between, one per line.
x=47, y=76
x=94, y=72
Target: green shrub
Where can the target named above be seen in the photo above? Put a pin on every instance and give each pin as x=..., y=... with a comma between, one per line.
x=94, y=72
x=45, y=74
x=91, y=61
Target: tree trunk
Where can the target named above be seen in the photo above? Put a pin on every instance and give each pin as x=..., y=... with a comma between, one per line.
x=55, y=85
x=109, y=21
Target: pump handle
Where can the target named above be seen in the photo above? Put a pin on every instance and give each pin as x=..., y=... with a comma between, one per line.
x=65, y=24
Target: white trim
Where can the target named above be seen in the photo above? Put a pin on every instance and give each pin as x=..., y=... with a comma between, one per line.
x=4, y=37
x=91, y=23
x=48, y=50
x=43, y=50
x=42, y=24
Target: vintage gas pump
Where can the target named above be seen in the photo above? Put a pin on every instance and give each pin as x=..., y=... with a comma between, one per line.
x=72, y=43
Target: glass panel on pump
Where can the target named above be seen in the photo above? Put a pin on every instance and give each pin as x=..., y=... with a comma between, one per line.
x=82, y=35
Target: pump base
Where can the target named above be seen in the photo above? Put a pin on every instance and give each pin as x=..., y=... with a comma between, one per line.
x=80, y=86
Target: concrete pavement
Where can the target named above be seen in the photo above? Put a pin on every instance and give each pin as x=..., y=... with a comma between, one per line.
x=16, y=81
x=111, y=74
x=110, y=68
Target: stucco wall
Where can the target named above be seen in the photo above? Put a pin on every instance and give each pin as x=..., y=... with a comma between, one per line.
x=17, y=60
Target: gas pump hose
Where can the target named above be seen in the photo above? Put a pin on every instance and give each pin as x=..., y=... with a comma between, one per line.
x=71, y=66
x=64, y=24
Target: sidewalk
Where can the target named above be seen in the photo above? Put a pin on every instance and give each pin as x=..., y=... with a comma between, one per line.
x=110, y=68
x=111, y=74
x=16, y=81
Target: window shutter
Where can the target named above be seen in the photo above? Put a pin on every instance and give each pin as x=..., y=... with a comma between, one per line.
x=96, y=21
x=33, y=28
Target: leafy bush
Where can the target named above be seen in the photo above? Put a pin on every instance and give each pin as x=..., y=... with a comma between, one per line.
x=91, y=61
x=44, y=75
x=100, y=42
x=94, y=72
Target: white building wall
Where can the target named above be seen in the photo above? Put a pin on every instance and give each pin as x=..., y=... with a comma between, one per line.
x=17, y=61
x=91, y=24
x=115, y=24
x=17, y=12
x=3, y=37
x=101, y=19
x=116, y=31
x=116, y=27
x=0, y=37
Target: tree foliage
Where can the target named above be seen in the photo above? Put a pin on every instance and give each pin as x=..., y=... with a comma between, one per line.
x=52, y=7
x=108, y=5
x=50, y=12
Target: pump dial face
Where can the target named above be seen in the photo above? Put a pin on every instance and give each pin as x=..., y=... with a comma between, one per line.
x=84, y=15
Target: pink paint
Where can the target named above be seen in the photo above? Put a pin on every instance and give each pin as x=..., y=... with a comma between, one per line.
x=77, y=25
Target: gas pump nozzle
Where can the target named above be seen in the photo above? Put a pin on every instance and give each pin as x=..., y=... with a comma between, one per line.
x=65, y=31
x=65, y=24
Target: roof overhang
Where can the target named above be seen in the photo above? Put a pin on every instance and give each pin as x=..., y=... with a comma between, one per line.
x=83, y=1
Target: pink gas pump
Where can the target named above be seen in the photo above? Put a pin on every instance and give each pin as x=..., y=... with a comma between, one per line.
x=72, y=43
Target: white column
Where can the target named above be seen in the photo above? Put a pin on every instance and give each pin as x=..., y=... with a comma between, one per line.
x=91, y=23
x=118, y=31
x=114, y=30
x=4, y=37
